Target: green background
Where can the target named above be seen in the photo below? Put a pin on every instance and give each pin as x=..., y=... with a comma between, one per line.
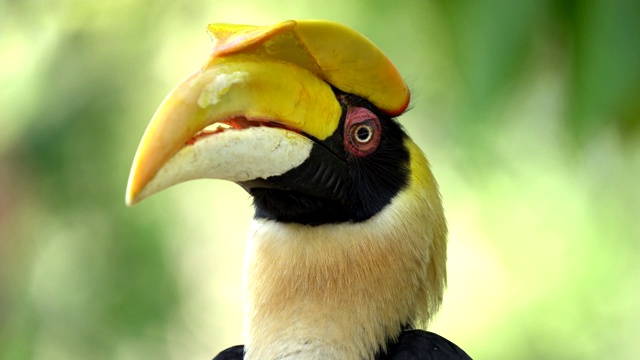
x=529, y=112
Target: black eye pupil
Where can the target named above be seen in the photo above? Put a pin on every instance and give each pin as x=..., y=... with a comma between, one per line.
x=363, y=133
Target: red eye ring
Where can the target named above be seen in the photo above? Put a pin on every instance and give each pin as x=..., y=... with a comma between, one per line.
x=362, y=131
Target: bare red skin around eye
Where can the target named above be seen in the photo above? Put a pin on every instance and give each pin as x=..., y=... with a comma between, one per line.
x=356, y=116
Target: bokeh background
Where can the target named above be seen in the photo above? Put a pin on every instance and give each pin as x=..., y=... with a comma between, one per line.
x=528, y=110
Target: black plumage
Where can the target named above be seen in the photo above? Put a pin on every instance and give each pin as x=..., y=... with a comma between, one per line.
x=411, y=345
x=423, y=345
x=334, y=186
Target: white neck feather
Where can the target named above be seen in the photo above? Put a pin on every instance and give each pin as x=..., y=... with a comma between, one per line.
x=341, y=291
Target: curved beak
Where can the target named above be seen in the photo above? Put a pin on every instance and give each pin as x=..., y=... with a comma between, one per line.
x=236, y=95
x=256, y=107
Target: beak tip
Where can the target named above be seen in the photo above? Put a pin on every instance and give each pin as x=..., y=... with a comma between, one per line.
x=132, y=195
x=129, y=201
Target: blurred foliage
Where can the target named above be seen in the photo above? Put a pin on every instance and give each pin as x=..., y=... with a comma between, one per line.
x=528, y=110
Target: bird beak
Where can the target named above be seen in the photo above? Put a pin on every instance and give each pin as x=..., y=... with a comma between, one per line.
x=256, y=107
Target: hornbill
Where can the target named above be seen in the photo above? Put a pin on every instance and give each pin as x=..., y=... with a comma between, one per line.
x=347, y=250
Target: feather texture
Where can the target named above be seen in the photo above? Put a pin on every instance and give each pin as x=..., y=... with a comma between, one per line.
x=343, y=291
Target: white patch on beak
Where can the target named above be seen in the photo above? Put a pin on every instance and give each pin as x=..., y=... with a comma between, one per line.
x=234, y=155
x=220, y=85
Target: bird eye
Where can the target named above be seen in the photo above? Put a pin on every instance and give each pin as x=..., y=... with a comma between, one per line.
x=362, y=131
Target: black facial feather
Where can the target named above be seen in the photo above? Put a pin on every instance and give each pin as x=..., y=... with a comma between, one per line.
x=333, y=185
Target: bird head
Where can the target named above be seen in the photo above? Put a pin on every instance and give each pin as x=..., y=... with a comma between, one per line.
x=293, y=108
x=301, y=114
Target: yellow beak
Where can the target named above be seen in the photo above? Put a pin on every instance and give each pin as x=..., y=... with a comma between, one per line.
x=273, y=86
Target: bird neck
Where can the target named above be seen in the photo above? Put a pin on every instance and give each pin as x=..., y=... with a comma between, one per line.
x=343, y=291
